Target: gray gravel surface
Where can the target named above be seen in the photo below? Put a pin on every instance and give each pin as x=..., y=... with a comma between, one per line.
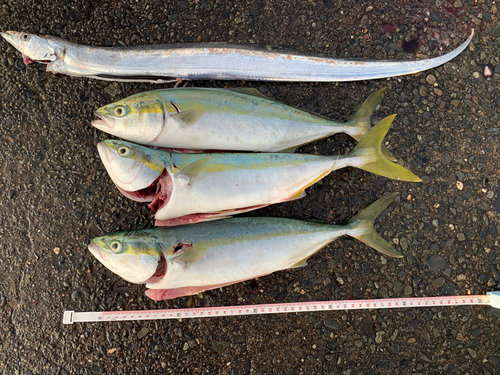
x=56, y=196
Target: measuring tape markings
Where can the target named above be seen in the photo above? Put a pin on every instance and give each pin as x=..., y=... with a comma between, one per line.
x=492, y=299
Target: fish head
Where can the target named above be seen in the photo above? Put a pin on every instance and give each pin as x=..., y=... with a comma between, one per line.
x=135, y=256
x=131, y=167
x=139, y=118
x=33, y=47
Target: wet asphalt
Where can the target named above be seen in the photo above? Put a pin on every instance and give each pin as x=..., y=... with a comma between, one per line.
x=56, y=196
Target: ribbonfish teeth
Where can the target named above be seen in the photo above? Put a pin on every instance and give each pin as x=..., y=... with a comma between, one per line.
x=200, y=187
x=161, y=63
x=181, y=261
x=218, y=119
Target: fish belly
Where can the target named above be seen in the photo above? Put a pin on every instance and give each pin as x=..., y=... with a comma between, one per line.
x=244, y=260
x=222, y=131
x=238, y=188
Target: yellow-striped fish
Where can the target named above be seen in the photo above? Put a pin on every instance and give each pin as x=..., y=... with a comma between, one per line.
x=176, y=262
x=189, y=188
x=218, y=119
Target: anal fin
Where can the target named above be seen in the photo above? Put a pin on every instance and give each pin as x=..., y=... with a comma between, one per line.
x=301, y=263
x=297, y=195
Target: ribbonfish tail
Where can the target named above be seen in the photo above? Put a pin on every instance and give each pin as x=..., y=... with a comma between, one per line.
x=182, y=261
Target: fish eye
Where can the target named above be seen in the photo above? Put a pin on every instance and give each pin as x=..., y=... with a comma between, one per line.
x=26, y=37
x=120, y=111
x=123, y=151
x=116, y=246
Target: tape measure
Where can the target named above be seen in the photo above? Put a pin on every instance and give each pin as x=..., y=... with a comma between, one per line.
x=491, y=298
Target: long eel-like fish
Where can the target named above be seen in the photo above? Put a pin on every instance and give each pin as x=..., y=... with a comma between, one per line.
x=161, y=63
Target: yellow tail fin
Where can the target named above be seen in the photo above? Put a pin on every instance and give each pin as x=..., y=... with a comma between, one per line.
x=363, y=222
x=369, y=150
x=362, y=116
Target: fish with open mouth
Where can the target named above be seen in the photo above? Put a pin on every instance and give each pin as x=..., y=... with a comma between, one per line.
x=219, y=119
x=190, y=188
x=182, y=261
x=219, y=61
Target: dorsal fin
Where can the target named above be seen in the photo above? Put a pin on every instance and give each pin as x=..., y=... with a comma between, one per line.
x=248, y=91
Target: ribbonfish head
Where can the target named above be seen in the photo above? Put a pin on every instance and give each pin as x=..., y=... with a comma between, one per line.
x=137, y=259
x=33, y=47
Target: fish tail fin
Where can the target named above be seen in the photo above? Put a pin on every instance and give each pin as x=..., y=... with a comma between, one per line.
x=362, y=119
x=363, y=227
x=372, y=158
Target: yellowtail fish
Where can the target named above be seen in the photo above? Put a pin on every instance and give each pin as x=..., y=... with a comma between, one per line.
x=189, y=188
x=218, y=119
x=181, y=261
x=161, y=63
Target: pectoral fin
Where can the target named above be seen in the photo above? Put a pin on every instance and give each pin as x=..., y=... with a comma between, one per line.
x=189, y=255
x=189, y=117
x=197, y=168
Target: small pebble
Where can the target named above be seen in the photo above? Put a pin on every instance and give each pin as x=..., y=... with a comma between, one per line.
x=461, y=277
x=397, y=287
x=446, y=158
x=430, y=79
x=487, y=71
x=57, y=250
x=438, y=283
x=461, y=236
x=435, y=263
x=332, y=324
x=378, y=336
x=460, y=185
x=142, y=333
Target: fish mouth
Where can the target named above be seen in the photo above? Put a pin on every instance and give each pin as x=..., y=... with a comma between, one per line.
x=13, y=39
x=104, y=152
x=102, y=123
x=96, y=251
x=161, y=270
x=10, y=39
